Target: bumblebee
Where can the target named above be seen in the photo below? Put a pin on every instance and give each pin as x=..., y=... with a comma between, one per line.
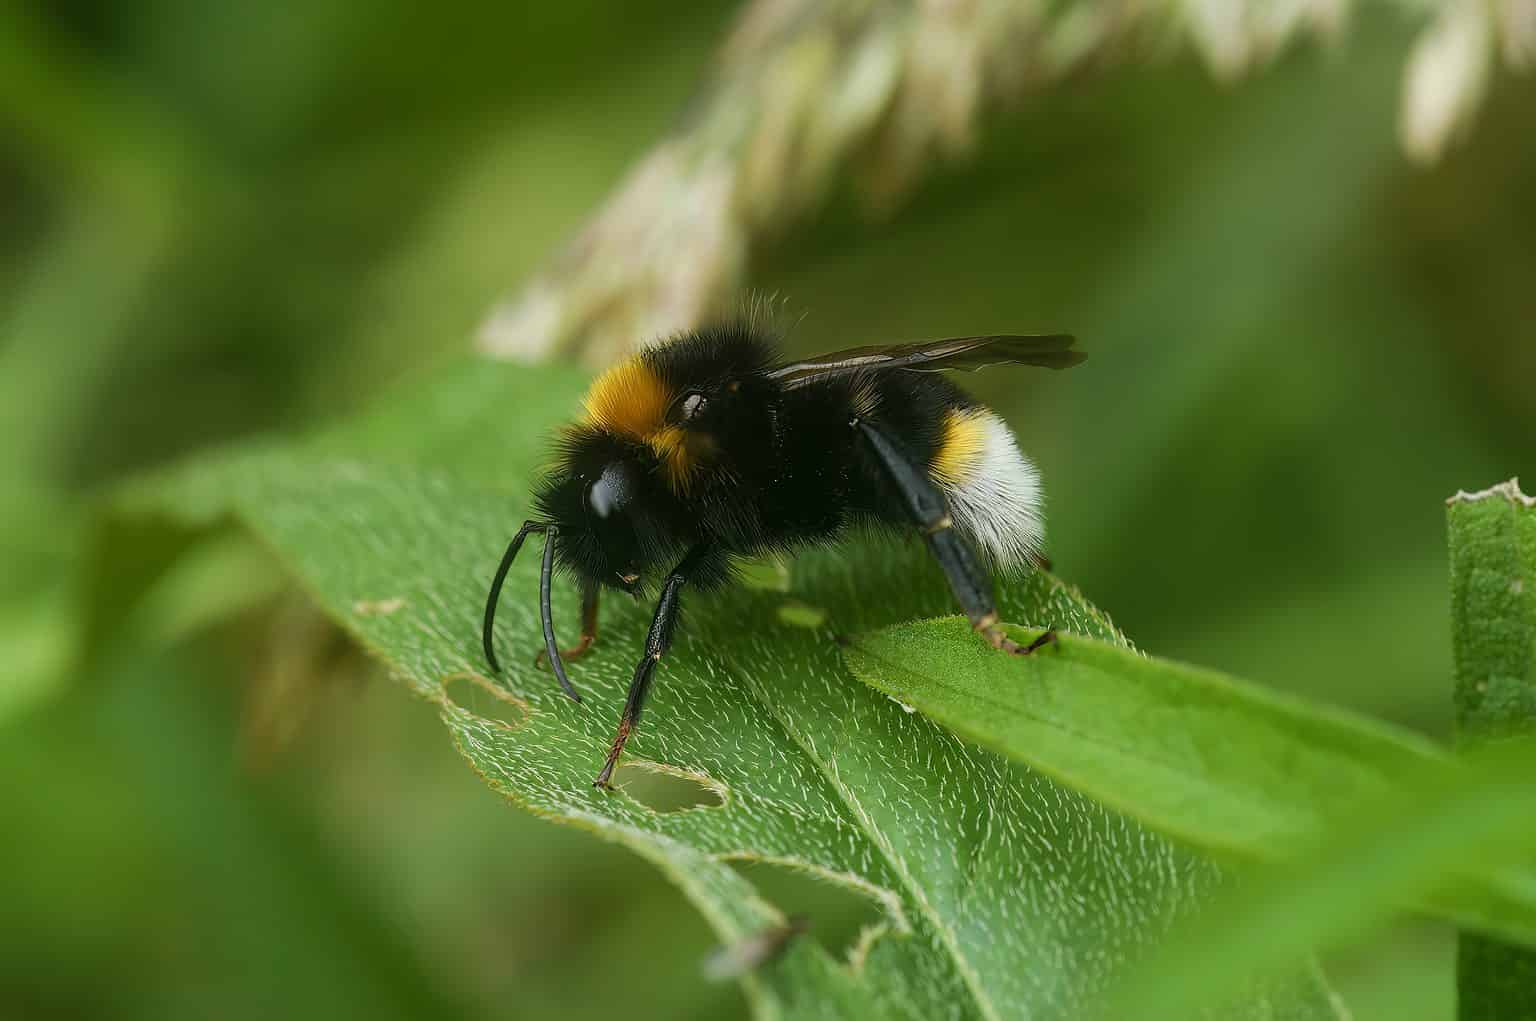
x=707, y=448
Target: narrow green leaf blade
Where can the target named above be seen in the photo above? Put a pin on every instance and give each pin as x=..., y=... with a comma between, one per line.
x=1214, y=762
x=1493, y=616
x=1493, y=608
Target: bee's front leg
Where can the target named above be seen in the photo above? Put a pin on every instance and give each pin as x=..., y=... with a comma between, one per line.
x=657, y=641
x=589, y=594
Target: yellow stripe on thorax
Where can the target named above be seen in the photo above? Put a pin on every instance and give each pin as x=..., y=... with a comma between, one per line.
x=960, y=450
x=630, y=399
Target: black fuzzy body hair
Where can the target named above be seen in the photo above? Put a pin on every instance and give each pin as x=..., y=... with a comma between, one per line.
x=773, y=468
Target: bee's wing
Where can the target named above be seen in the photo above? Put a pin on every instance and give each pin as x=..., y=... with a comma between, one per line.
x=1050, y=350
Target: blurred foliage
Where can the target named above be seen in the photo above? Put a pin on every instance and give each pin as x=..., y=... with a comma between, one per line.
x=873, y=93
x=220, y=220
x=1399, y=849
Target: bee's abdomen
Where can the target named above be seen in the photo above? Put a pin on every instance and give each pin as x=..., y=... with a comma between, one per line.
x=992, y=487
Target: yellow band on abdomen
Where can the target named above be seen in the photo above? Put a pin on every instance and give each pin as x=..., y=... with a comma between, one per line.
x=960, y=451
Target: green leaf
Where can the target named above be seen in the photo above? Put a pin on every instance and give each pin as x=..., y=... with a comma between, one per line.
x=1493, y=612
x=1416, y=845
x=1001, y=893
x=1493, y=606
x=1218, y=764
x=1226, y=766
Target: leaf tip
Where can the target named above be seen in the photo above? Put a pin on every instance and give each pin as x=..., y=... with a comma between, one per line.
x=1509, y=490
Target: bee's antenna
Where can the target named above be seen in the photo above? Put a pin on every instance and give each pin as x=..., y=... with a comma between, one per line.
x=494, y=595
x=552, y=647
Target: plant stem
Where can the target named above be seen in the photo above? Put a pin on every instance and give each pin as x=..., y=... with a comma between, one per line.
x=1493, y=609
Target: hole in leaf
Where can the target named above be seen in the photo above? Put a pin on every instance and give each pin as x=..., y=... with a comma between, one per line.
x=378, y=607
x=663, y=788
x=482, y=697
x=843, y=917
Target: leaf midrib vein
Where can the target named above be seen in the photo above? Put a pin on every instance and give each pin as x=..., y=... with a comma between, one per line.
x=967, y=971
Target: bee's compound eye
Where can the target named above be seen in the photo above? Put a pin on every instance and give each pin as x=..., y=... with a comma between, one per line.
x=692, y=404
x=612, y=490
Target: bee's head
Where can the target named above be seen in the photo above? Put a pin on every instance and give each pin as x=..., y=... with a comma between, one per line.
x=608, y=500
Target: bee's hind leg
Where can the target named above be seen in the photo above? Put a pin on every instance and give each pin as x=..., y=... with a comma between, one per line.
x=973, y=589
x=589, y=593
x=928, y=510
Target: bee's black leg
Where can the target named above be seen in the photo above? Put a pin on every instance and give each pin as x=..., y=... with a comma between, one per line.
x=928, y=510
x=494, y=595
x=657, y=640
x=589, y=594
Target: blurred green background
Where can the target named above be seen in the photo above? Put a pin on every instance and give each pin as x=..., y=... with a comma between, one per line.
x=223, y=220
